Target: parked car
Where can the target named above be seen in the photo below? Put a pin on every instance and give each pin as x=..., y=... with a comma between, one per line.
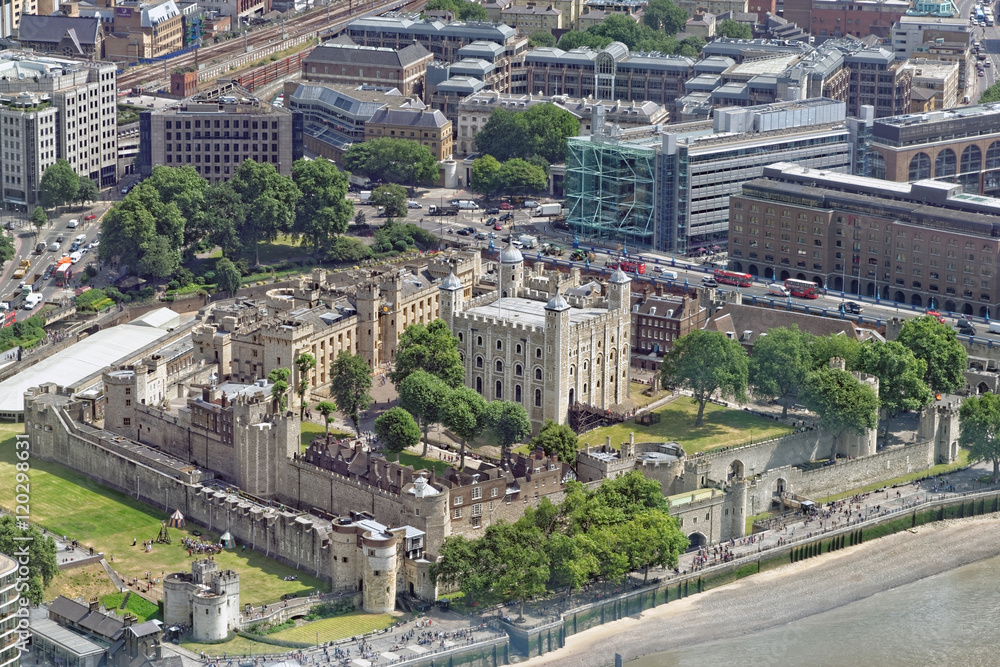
x=529, y=203
x=506, y=206
x=73, y=224
x=492, y=211
x=492, y=221
x=497, y=226
x=413, y=204
x=90, y=216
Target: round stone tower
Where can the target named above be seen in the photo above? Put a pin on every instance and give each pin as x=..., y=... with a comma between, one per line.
x=209, y=616
x=379, y=572
x=344, y=554
x=511, y=271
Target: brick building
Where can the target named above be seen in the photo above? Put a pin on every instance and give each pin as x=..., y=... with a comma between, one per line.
x=429, y=128
x=353, y=65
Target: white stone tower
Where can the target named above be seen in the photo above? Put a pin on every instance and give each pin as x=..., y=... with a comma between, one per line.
x=511, y=271
x=379, y=573
x=451, y=298
x=555, y=396
x=619, y=292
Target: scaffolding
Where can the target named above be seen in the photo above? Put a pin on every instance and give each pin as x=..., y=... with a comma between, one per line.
x=610, y=191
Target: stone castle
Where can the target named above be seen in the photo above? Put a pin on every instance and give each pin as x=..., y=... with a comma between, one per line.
x=207, y=600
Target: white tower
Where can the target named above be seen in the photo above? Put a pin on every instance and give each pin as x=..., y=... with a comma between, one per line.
x=511, y=271
x=451, y=298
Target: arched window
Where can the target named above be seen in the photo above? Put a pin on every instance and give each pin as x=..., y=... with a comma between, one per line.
x=538, y=373
x=479, y=362
x=585, y=387
x=920, y=167
x=499, y=345
x=460, y=337
x=538, y=398
x=945, y=163
x=517, y=349
x=499, y=366
x=585, y=365
x=572, y=371
x=993, y=156
x=479, y=385
x=479, y=340
x=876, y=166
x=517, y=393
x=538, y=353
x=517, y=370
x=499, y=393
x=972, y=159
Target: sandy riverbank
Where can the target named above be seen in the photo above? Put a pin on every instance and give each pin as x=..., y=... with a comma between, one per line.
x=787, y=593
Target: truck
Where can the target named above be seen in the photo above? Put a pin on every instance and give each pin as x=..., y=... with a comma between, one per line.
x=366, y=196
x=22, y=268
x=548, y=209
x=444, y=209
x=15, y=299
x=528, y=241
x=359, y=182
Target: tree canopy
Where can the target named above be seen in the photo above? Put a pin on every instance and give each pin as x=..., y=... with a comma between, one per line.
x=509, y=421
x=513, y=177
x=937, y=345
x=58, y=185
x=350, y=380
x=557, y=439
x=541, y=38
x=228, y=277
x=269, y=201
x=462, y=9
x=392, y=160
x=323, y=211
x=542, y=130
x=42, y=566
x=706, y=362
x=730, y=28
x=392, y=198
x=900, y=375
x=304, y=363
x=465, y=414
x=423, y=395
x=431, y=348
x=143, y=233
x=979, y=429
x=779, y=365
x=666, y=16
x=397, y=429
x=841, y=401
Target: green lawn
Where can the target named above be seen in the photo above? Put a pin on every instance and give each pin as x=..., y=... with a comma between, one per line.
x=68, y=503
x=339, y=627
x=310, y=430
x=236, y=646
x=418, y=462
x=137, y=605
x=640, y=399
x=723, y=427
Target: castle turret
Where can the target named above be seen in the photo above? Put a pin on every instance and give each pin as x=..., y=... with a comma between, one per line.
x=379, y=572
x=368, y=301
x=451, y=298
x=557, y=326
x=511, y=271
x=619, y=292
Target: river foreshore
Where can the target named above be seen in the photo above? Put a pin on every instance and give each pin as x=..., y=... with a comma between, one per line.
x=787, y=593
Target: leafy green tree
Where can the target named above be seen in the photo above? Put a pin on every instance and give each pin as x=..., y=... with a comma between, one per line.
x=574, y=39
x=459, y=565
x=611, y=551
x=279, y=389
x=6, y=248
x=730, y=28
x=159, y=258
x=142, y=233
x=431, y=348
x=541, y=38
x=517, y=176
x=523, y=567
x=326, y=408
x=39, y=220
x=392, y=197
x=938, y=346
x=423, y=395
x=620, y=28
x=557, y=439
x=304, y=363
x=706, y=362
x=323, y=211
x=631, y=494
x=572, y=561
x=58, y=185
x=652, y=539
x=348, y=249
x=464, y=413
x=509, y=421
x=483, y=178
x=466, y=11
x=397, y=429
x=227, y=276
x=825, y=348
x=779, y=364
x=990, y=95
x=979, y=429
x=269, y=201
x=549, y=126
x=841, y=401
x=42, y=566
x=224, y=208
x=393, y=160
x=505, y=135
x=900, y=376
x=185, y=188
x=350, y=380
x=666, y=16
x=87, y=191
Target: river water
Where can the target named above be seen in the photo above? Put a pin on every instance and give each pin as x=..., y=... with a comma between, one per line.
x=947, y=619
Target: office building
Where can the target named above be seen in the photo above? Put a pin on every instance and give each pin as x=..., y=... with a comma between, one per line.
x=668, y=188
x=354, y=65
x=396, y=31
x=935, y=83
x=940, y=39
x=140, y=29
x=838, y=18
x=53, y=108
x=428, y=127
x=10, y=654
x=216, y=134
x=926, y=244
x=956, y=145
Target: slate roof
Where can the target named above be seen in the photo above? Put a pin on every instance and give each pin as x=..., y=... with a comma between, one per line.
x=747, y=323
x=51, y=29
x=367, y=55
x=429, y=119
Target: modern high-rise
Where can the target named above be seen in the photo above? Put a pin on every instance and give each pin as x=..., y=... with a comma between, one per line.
x=926, y=244
x=667, y=188
x=52, y=108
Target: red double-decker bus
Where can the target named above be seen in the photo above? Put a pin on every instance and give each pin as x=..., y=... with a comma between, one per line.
x=628, y=266
x=64, y=274
x=802, y=288
x=733, y=278
x=9, y=318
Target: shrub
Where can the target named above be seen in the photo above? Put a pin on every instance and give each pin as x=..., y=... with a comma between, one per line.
x=173, y=285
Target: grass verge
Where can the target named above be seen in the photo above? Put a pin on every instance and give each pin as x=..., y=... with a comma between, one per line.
x=723, y=427
x=339, y=627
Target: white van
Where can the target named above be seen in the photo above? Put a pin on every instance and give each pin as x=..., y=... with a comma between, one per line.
x=75, y=257
x=672, y=275
x=32, y=301
x=777, y=289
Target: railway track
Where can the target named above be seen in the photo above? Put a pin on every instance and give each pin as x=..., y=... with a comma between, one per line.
x=316, y=21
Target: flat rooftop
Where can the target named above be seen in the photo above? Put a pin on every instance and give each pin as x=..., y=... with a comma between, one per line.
x=529, y=312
